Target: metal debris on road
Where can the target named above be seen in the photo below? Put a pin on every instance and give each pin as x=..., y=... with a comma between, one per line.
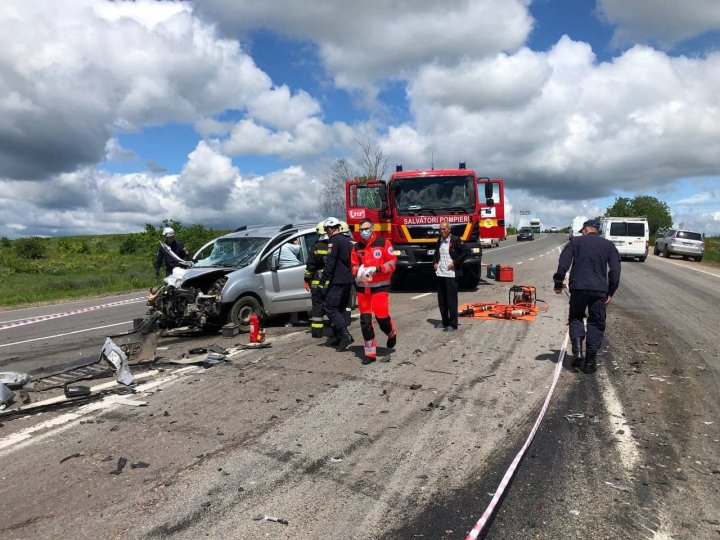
x=13, y=379
x=118, y=359
x=358, y=432
x=619, y=487
x=263, y=517
x=415, y=386
x=6, y=396
x=139, y=465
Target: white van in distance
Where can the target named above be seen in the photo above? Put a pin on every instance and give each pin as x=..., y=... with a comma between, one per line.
x=631, y=236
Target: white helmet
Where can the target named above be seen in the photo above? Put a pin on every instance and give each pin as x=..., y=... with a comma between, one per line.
x=331, y=222
x=344, y=227
x=320, y=228
x=167, y=231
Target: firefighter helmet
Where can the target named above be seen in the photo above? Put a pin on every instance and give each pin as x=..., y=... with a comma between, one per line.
x=320, y=228
x=331, y=222
x=344, y=227
x=167, y=231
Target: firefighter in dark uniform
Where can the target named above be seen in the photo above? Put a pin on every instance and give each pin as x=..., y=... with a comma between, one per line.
x=170, y=252
x=338, y=280
x=314, y=281
x=374, y=262
x=594, y=264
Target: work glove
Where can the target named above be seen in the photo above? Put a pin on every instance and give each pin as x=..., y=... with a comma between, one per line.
x=369, y=271
x=307, y=286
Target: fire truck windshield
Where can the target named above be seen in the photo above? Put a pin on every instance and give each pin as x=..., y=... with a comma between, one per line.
x=434, y=194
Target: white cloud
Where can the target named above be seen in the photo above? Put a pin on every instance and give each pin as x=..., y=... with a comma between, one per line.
x=666, y=22
x=77, y=71
x=361, y=43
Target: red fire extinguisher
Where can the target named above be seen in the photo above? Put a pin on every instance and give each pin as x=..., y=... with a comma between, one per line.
x=254, y=328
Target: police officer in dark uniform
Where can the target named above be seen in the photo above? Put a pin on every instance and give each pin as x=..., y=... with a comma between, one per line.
x=314, y=281
x=170, y=252
x=338, y=280
x=594, y=264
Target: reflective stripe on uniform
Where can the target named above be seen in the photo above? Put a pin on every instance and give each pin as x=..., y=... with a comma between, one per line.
x=371, y=348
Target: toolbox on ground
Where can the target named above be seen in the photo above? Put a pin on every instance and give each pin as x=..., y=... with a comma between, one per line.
x=492, y=271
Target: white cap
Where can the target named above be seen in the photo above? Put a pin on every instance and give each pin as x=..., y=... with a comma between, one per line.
x=331, y=222
x=167, y=231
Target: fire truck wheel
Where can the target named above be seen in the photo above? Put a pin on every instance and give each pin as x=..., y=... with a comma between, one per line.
x=241, y=311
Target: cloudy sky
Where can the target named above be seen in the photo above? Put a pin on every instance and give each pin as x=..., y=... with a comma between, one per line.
x=115, y=114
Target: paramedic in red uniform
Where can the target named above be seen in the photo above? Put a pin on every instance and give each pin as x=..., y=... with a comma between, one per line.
x=373, y=262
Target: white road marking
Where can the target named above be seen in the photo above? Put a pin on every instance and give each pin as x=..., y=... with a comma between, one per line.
x=689, y=267
x=60, y=423
x=65, y=334
x=629, y=454
x=420, y=295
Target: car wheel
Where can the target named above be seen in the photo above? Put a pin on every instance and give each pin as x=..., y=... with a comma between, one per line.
x=666, y=253
x=241, y=311
x=656, y=251
x=698, y=259
x=642, y=259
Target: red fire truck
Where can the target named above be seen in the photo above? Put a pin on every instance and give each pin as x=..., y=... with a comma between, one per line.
x=411, y=205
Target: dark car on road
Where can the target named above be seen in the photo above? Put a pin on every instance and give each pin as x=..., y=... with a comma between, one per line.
x=525, y=233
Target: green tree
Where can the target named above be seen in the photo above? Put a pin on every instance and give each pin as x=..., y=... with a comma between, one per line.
x=656, y=211
x=30, y=248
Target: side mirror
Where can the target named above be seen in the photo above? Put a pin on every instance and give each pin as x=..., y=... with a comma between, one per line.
x=488, y=189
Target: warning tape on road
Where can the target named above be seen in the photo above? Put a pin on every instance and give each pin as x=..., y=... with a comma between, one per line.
x=43, y=318
x=473, y=534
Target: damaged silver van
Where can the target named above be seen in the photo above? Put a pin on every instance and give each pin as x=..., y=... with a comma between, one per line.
x=252, y=270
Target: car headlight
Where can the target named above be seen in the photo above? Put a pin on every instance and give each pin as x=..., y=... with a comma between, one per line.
x=400, y=252
x=476, y=250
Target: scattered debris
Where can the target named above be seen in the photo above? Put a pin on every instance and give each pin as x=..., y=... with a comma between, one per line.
x=139, y=465
x=336, y=459
x=263, y=517
x=708, y=423
x=14, y=380
x=121, y=462
x=422, y=476
x=24, y=396
x=619, y=487
x=218, y=349
x=573, y=416
x=6, y=396
x=358, y=432
x=198, y=350
x=117, y=358
x=122, y=400
x=71, y=456
x=415, y=386
x=575, y=512
x=76, y=391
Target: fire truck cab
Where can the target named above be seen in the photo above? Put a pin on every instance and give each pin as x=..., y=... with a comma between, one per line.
x=409, y=208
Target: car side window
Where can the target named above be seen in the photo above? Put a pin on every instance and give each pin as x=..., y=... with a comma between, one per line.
x=289, y=254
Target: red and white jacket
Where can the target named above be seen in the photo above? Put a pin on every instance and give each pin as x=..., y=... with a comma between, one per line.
x=378, y=252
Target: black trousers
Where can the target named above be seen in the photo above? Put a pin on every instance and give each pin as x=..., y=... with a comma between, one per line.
x=447, y=290
x=337, y=298
x=594, y=302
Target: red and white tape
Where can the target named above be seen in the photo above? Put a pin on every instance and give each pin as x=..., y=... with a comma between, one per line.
x=477, y=529
x=42, y=318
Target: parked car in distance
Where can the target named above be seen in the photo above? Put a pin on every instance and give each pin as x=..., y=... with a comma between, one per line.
x=489, y=242
x=688, y=244
x=553, y=229
x=525, y=233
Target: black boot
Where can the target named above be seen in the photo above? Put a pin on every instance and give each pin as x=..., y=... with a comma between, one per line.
x=590, y=362
x=345, y=340
x=334, y=340
x=577, y=346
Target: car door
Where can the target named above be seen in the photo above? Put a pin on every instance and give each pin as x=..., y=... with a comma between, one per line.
x=285, y=283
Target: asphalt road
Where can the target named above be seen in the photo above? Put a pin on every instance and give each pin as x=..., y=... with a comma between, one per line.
x=410, y=447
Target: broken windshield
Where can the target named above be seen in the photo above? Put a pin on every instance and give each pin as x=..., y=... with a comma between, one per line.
x=232, y=252
x=434, y=194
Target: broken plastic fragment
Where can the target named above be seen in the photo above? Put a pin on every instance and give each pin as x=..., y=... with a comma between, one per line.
x=118, y=359
x=6, y=396
x=14, y=380
x=121, y=462
x=139, y=465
